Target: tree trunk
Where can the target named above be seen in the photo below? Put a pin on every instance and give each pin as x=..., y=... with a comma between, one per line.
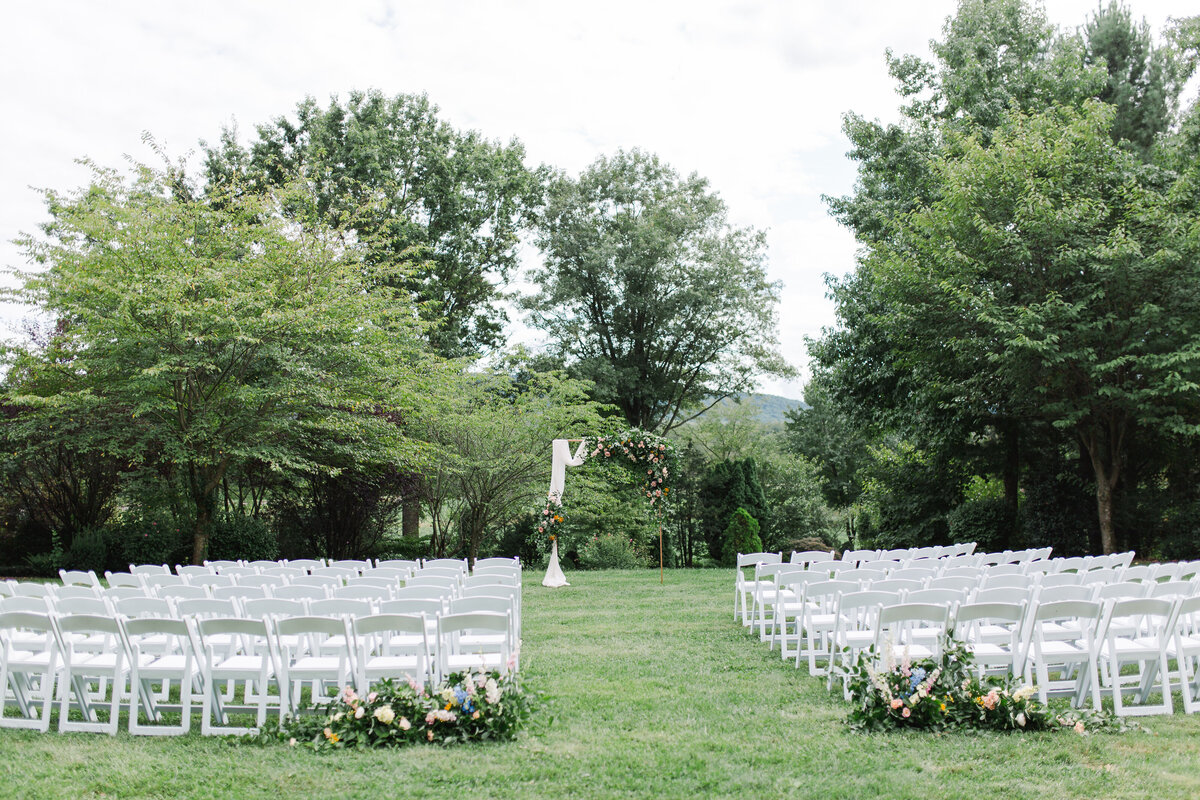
x=410, y=518
x=201, y=532
x=1106, y=467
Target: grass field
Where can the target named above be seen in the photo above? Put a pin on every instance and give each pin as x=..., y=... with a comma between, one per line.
x=655, y=692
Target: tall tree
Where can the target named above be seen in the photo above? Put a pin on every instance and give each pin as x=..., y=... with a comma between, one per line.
x=218, y=332
x=410, y=186
x=1143, y=80
x=648, y=291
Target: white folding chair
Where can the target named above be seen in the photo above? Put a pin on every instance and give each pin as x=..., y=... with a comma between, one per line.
x=170, y=658
x=1135, y=631
x=455, y=656
x=404, y=564
x=236, y=650
x=392, y=646
x=355, y=565
x=306, y=564
x=81, y=665
x=79, y=577
x=856, y=618
x=29, y=659
x=818, y=608
x=1063, y=642
x=188, y=571
x=149, y=569
x=743, y=586
x=995, y=634
x=313, y=650
x=1184, y=649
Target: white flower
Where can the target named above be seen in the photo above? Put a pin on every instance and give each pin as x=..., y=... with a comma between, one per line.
x=385, y=714
x=405, y=724
x=358, y=712
x=1021, y=719
x=491, y=691
x=1024, y=693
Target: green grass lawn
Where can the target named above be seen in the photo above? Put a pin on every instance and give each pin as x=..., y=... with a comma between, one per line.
x=655, y=692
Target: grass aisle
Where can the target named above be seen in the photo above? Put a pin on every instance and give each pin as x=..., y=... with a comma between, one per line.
x=655, y=693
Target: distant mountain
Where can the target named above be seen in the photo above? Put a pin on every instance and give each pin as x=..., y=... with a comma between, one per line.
x=771, y=407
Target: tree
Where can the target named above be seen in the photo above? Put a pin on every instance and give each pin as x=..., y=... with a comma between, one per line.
x=413, y=188
x=1078, y=278
x=1143, y=80
x=218, y=331
x=648, y=292
x=495, y=441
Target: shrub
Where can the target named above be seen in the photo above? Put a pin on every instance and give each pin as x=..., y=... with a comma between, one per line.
x=408, y=547
x=235, y=536
x=740, y=536
x=46, y=565
x=145, y=540
x=89, y=551
x=988, y=522
x=609, y=551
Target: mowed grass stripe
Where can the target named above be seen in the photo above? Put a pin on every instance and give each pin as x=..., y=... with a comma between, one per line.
x=655, y=692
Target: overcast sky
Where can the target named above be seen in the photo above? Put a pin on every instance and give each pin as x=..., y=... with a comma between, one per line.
x=748, y=94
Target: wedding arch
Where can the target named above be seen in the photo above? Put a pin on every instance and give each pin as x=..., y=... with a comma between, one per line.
x=637, y=450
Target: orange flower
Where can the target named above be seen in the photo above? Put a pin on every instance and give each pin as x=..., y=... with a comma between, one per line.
x=557, y=518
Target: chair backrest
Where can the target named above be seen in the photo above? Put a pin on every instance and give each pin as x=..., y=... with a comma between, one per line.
x=1173, y=589
x=80, y=605
x=149, y=569
x=1103, y=575
x=121, y=592
x=958, y=584
x=971, y=613
x=430, y=607
x=495, y=605
x=889, y=585
x=219, y=564
x=306, y=564
x=388, y=580
x=323, y=581
x=388, y=623
x=262, y=564
x=206, y=608
x=137, y=607
x=403, y=564
x=1053, y=594
x=298, y=592
x=211, y=581
x=447, y=584
x=974, y=573
x=993, y=581
x=1061, y=579
x=896, y=620
x=945, y=597
x=237, y=592
x=259, y=607
x=302, y=626
x=370, y=593
x=459, y=564
x=340, y=574
x=182, y=592
x=1139, y=572
x=168, y=635
x=261, y=581
x=423, y=592
x=338, y=606
x=355, y=565
x=64, y=592
x=1150, y=613
x=30, y=589
x=1067, y=609
x=155, y=581
x=192, y=570
x=1005, y=569
x=810, y=556
x=237, y=572
x=286, y=573
x=78, y=577
x=919, y=574
x=25, y=605
x=1113, y=591
x=855, y=556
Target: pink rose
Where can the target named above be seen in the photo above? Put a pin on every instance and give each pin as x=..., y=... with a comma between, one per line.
x=906, y=713
x=897, y=702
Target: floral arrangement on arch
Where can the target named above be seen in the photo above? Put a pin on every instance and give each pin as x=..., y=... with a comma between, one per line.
x=643, y=451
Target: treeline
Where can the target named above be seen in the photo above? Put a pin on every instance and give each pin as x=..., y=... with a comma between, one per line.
x=298, y=349
x=1017, y=355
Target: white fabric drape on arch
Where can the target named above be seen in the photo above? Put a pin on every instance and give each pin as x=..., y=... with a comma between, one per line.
x=561, y=459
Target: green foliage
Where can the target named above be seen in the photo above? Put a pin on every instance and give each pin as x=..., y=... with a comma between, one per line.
x=465, y=707
x=410, y=186
x=650, y=293
x=47, y=565
x=612, y=551
x=729, y=486
x=216, y=332
x=145, y=539
x=740, y=536
x=909, y=492
x=237, y=537
x=989, y=522
x=89, y=551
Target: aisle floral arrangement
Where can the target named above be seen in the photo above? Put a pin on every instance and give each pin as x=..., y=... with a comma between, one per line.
x=466, y=707
x=889, y=691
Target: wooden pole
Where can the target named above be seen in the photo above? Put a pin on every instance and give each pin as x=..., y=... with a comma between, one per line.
x=660, y=556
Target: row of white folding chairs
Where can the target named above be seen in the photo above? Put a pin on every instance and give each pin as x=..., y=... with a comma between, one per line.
x=1032, y=632
x=750, y=593
x=805, y=593
x=236, y=600
x=776, y=596
x=42, y=655
x=311, y=587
